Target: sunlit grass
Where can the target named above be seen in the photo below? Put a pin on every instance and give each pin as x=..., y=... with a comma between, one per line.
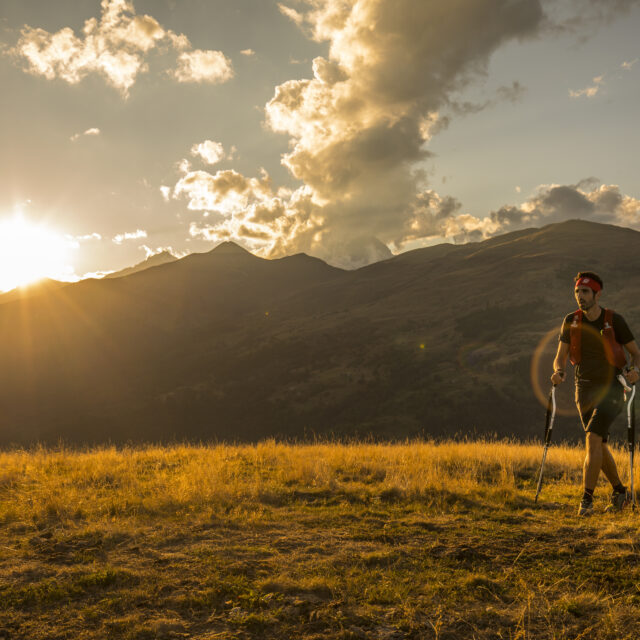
x=274, y=540
x=164, y=480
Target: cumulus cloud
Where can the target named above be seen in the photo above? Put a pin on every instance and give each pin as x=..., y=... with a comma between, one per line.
x=359, y=128
x=211, y=152
x=227, y=192
x=360, y=124
x=133, y=235
x=248, y=52
x=435, y=216
x=203, y=66
x=588, y=200
x=115, y=46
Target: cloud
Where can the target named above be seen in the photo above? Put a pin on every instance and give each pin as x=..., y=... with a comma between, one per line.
x=149, y=251
x=211, y=152
x=588, y=92
x=437, y=217
x=95, y=274
x=587, y=200
x=94, y=131
x=359, y=127
x=511, y=93
x=227, y=192
x=184, y=166
x=86, y=237
x=203, y=66
x=248, y=52
x=134, y=235
x=292, y=14
x=114, y=46
x=360, y=124
x=599, y=81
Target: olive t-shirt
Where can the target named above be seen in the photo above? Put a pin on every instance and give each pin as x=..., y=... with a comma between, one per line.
x=594, y=366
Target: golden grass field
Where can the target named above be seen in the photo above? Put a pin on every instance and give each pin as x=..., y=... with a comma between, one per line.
x=415, y=540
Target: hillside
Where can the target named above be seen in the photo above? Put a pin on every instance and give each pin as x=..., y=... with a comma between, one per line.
x=155, y=260
x=226, y=345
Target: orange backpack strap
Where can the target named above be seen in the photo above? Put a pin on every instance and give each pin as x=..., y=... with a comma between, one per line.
x=575, y=336
x=612, y=348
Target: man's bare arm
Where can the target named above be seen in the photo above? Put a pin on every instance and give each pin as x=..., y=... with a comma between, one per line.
x=560, y=363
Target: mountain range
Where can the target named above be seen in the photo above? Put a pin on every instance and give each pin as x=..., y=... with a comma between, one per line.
x=444, y=341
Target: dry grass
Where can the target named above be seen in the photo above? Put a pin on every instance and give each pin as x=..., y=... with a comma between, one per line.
x=420, y=540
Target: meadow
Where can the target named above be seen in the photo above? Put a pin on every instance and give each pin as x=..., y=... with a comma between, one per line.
x=327, y=540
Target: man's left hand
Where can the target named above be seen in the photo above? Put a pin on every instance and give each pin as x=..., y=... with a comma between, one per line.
x=631, y=375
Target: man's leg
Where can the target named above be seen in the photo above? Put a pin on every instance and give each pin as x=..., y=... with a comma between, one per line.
x=609, y=466
x=593, y=461
x=620, y=497
x=590, y=472
x=599, y=424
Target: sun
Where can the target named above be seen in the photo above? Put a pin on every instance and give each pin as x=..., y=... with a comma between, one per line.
x=31, y=252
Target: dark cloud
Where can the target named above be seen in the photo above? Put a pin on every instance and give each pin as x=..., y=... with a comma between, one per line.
x=565, y=202
x=585, y=200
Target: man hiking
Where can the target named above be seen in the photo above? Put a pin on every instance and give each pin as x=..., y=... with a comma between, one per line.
x=594, y=339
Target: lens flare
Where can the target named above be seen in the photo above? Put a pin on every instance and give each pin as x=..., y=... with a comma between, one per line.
x=542, y=368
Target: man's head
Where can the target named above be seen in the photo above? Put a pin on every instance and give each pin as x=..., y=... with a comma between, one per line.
x=588, y=287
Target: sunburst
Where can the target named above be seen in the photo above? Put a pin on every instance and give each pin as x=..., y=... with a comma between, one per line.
x=30, y=252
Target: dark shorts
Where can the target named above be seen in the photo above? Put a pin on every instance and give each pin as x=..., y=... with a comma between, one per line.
x=599, y=406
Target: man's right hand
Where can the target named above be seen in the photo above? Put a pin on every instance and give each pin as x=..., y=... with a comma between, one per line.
x=558, y=377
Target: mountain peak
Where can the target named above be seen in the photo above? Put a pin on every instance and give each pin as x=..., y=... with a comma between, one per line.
x=230, y=248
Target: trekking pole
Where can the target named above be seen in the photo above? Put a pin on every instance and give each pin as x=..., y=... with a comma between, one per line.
x=548, y=427
x=631, y=439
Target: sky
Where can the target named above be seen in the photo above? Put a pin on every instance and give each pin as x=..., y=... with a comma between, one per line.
x=350, y=130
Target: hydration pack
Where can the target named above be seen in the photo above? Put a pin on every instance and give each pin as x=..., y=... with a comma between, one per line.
x=612, y=349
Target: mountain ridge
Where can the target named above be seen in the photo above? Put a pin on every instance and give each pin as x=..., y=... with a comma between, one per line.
x=150, y=262
x=227, y=345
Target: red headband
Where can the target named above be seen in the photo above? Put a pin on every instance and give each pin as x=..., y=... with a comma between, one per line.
x=589, y=282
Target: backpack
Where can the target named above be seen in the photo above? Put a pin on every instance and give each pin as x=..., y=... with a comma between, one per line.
x=612, y=349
